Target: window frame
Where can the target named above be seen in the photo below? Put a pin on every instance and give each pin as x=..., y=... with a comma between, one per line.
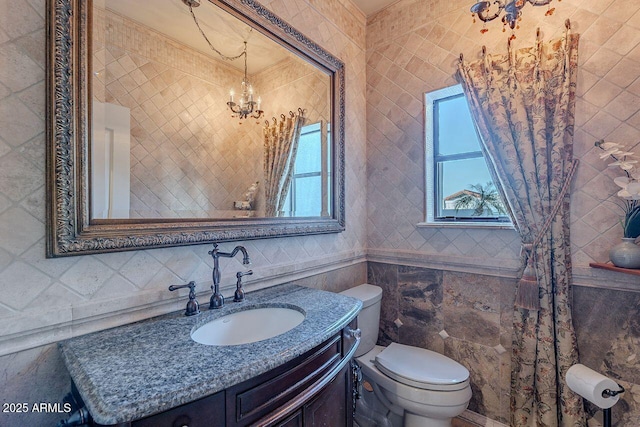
x=325, y=173
x=432, y=171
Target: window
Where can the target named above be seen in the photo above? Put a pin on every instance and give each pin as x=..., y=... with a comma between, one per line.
x=308, y=194
x=459, y=185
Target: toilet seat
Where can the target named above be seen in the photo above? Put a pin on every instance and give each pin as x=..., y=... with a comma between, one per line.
x=421, y=368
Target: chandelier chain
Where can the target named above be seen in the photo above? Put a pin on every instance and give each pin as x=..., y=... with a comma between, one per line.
x=222, y=55
x=245, y=60
x=245, y=106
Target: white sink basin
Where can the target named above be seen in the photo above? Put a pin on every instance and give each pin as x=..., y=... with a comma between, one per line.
x=248, y=326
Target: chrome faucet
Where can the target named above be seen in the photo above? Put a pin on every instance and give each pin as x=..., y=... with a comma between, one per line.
x=217, y=300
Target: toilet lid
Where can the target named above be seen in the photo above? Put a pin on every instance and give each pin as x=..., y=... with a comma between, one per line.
x=421, y=368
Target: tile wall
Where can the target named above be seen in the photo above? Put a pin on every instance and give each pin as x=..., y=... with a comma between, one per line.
x=461, y=280
x=102, y=285
x=413, y=47
x=468, y=317
x=608, y=329
x=292, y=84
x=47, y=300
x=430, y=276
x=465, y=316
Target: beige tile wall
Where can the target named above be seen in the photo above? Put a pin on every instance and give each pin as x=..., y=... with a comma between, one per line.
x=412, y=48
x=188, y=157
x=292, y=84
x=45, y=300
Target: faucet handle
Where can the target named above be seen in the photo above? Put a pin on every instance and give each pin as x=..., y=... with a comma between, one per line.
x=239, y=274
x=192, y=305
x=212, y=251
x=238, y=296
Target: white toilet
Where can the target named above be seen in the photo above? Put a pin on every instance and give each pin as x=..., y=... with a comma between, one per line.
x=425, y=388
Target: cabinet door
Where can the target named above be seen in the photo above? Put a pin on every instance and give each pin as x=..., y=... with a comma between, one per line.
x=331, y=407
x=205, y=412
x=294, y=420
x=269, y=394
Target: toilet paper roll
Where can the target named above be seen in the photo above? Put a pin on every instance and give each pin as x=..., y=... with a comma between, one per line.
x=590, y=385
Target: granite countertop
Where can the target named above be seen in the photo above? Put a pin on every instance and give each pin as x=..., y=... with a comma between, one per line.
x=136, y=370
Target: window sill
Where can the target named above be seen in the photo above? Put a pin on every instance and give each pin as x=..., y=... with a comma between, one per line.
x=467, y=224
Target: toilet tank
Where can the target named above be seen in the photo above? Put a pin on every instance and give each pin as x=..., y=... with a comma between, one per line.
x=369, y=316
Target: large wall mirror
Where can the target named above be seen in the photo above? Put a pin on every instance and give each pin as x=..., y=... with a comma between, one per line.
x=177, y=122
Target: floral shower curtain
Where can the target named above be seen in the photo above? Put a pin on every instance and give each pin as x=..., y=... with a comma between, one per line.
x=280, y=147
x=523, y=106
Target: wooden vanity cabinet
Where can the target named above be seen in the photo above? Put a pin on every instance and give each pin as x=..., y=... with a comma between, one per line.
x=208, y=411
x=329, y=408
x=315, y=389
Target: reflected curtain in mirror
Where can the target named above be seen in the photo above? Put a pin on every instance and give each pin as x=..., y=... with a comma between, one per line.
x=280, y=146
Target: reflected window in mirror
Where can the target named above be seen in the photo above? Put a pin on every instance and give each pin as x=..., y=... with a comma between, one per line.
x=309, y=193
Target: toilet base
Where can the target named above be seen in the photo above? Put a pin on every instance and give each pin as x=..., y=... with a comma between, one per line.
x=418, y=407
x=373, y=412
x=412, y=420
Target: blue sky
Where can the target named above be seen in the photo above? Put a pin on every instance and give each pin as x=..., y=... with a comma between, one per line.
x=457, y=129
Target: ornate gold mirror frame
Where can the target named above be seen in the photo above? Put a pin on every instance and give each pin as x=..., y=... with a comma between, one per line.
x=69, y=228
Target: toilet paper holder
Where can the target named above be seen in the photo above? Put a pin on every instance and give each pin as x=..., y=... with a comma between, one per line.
x=594, y=387
x=610, y=393
x=606, y=413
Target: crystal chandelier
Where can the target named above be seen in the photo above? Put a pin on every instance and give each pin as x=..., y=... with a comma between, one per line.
x=488, y=11
x=245, y=106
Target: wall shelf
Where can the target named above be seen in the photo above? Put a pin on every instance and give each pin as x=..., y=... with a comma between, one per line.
x=611, y=267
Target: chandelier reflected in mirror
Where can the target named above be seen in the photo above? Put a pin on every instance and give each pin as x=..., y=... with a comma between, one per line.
x=245, y=106
x=489, y=10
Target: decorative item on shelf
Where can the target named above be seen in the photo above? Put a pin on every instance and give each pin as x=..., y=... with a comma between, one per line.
x=248, y=200
x=245, y=106
x=489, y=10
x=625, y=254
